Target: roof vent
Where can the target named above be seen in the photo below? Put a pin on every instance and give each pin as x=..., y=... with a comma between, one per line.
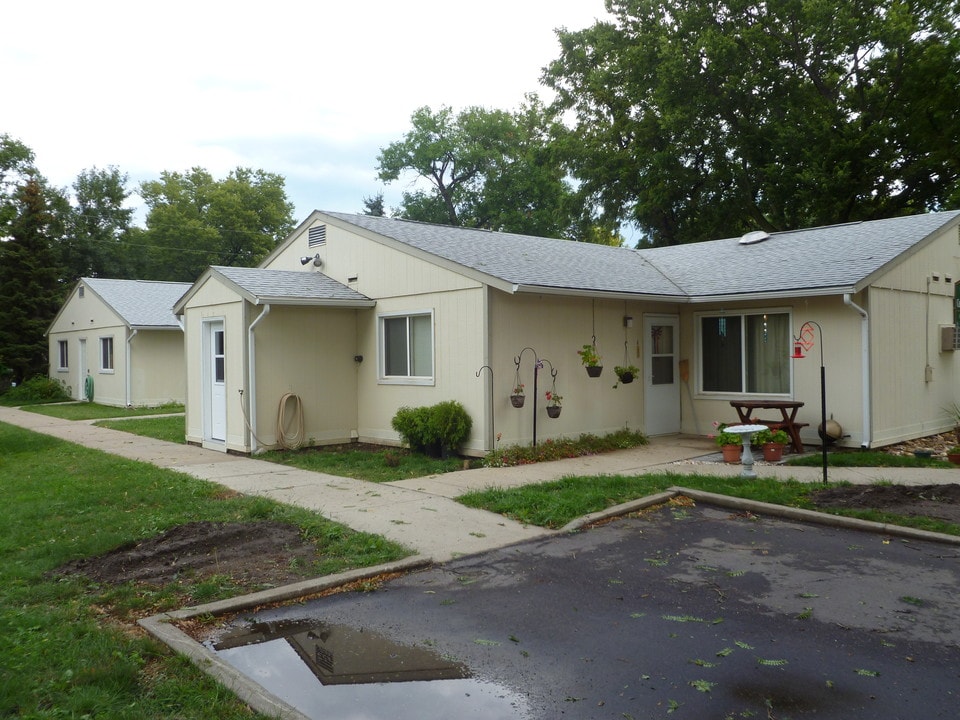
x=752, y=238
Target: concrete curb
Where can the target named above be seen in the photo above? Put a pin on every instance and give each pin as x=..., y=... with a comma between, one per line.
x=821, y=518
x=783, y=511
x=164, y=629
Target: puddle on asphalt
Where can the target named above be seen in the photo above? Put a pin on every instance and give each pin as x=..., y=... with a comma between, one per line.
x=329, y=670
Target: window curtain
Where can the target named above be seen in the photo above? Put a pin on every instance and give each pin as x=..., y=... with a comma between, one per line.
x=768, y=354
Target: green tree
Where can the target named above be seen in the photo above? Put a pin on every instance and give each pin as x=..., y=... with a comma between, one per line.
x=98, y=227
x=194, y=221
x=483, y=168
x=16, y=164
x=373, y=205
x=698, y=120
x=29, y=282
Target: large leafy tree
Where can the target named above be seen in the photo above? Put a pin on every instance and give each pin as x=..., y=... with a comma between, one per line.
x=701, y=119
x=98, y=227
x=194, y=221
x=483, y=168
x=16, y=165
x=30, y=286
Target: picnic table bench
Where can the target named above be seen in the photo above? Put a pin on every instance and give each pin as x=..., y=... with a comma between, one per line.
x=787, y=422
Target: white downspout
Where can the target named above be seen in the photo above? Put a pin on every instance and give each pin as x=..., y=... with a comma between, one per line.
x=252, y=382
x=128, y=367
x=867, y=438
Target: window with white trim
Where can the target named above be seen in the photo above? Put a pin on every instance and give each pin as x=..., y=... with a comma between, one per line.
x=745, y=353
x=106, y=354
x=63, y=353
x=406, y=347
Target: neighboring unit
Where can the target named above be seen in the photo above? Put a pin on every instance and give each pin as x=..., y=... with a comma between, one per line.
x=119, y=341
x=355, y=316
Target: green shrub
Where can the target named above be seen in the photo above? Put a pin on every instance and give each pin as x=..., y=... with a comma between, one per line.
x=450, y=424
x=37, y=389
x=433, y=429
x=586, y=444
x=413, y=424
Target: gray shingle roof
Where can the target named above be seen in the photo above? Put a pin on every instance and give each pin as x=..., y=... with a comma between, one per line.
x=279, y=286
x=834, y=258
x=140, y=303
x=526, y=259
x=838, y=256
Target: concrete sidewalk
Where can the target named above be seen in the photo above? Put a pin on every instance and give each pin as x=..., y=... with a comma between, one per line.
x=421, y=513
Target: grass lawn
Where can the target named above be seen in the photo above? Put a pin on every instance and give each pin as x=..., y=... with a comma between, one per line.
x=554, y=504
x=868, y=458
x=94, y=411
x=170, y=429
x=365, y=462
x=69, y=646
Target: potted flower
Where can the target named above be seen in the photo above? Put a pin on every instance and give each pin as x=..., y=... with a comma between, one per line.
x=772, y=443
x=953, y=455
x=626, y=373
x=517, y=397
x=731, y=444
x=591, y=360
x=553, y=404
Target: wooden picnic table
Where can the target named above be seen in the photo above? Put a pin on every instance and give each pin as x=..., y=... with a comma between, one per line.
x=787, y=422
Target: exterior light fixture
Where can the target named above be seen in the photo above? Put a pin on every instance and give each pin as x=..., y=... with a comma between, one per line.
x=317, y=262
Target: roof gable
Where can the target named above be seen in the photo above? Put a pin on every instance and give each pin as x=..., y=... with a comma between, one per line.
x=282, y=287
x=524, y=262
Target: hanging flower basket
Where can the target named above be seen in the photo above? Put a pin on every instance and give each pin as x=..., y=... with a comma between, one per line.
x=554, y=411
x=591, y=360
x=517, y=400
x=626, y=373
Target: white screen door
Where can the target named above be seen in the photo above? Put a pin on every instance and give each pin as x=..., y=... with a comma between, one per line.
x=215, y=412
x=661, y=407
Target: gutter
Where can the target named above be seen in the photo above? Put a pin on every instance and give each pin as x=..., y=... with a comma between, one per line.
x=867, y=437
x=252, y=381
x=128, y=368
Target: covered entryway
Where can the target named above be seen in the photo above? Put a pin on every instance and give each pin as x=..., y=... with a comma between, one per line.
x=661, y=407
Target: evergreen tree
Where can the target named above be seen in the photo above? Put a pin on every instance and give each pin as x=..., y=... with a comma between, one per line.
x=29, y=283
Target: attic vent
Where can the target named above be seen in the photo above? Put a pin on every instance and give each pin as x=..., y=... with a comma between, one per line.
x=752, y=238
x=317, y=236
x=80, y=291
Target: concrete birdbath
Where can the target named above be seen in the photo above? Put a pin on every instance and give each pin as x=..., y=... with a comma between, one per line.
x=745, y=432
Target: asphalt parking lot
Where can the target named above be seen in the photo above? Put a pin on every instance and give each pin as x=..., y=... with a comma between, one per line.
x=686, y=611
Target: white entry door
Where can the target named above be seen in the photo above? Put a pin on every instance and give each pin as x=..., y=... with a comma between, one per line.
x=215, y=392
x=661, y=407
x=82, y=370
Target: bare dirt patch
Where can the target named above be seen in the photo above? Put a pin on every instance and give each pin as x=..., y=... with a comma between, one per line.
x=254, y=553
x=934, y=501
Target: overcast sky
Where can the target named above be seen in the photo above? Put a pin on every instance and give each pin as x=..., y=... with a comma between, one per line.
x=308, y=90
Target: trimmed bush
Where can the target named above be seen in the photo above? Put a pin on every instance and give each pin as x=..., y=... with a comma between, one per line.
x=435, y=429
x=413, y=424
x=449, y=425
